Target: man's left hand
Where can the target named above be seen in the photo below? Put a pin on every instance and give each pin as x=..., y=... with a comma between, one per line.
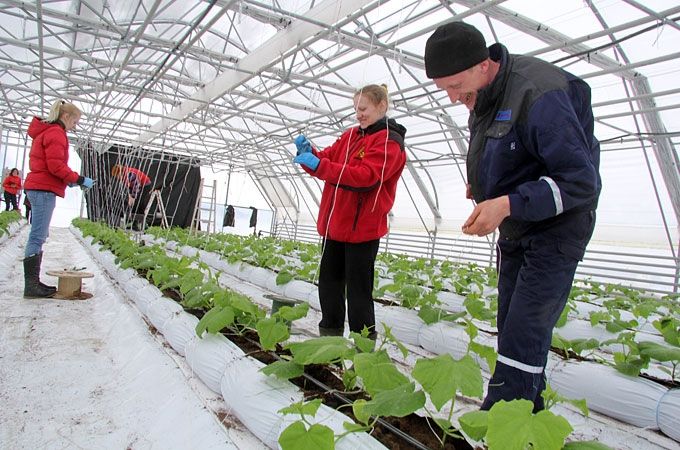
x=487, y=216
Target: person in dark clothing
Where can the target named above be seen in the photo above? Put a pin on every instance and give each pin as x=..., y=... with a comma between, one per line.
x=533, y=173
x=229, y=217
x=360, y=170
x=49, y=177
x=27, y=206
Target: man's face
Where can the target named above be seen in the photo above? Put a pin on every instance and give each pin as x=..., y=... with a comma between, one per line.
x=463, y=86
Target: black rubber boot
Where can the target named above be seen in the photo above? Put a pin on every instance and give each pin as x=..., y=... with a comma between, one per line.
x=323, y=331
x=32, y=287
x=46, y=286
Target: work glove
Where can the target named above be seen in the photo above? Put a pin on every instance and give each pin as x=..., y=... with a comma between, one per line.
x=87, y=183
x=303, y=145
x=308, y=160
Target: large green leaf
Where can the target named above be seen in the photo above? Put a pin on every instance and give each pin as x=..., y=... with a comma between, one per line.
x=271, y=331
x=283, y=277
x=475, y=424
x=297, y=437
x=659, y=352
x=443, y=376
x=670, y=329
x=628, y=364
x=215, y=319
x=488, y=353
x=290, y=313
x=321, y=350
x=303, y=408
x=398, y=402
x=191, y=280
x=512, y=426
x=378, y=372
x=283, y=369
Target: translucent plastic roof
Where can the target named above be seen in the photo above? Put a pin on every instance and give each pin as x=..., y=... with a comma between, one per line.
x=233, y=82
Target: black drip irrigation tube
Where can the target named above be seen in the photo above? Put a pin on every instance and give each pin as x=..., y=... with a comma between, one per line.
x=416, y=444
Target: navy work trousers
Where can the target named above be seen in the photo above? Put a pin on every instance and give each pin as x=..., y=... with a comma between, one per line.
x=535, y=274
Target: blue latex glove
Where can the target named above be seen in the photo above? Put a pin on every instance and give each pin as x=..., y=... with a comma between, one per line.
x=87, y=183
x=303, y=145
x=307, y=159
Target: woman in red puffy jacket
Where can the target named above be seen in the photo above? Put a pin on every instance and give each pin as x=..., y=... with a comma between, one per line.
x=12, y=184
x=49, y=176
x=360, y=170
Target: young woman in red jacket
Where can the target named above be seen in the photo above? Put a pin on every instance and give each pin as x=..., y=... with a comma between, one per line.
x=12, y=184
x=360, y=170
x=49, y=176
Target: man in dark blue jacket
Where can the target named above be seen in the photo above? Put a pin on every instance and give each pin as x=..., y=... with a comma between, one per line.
x=532, y=168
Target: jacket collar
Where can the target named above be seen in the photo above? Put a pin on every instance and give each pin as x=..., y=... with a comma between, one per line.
x=488, y=96
x=381, y=124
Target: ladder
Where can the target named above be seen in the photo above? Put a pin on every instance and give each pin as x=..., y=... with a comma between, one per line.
x=207, y=195
x=156, y=195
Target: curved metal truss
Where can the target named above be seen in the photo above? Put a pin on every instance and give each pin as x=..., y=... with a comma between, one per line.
x=233, y=82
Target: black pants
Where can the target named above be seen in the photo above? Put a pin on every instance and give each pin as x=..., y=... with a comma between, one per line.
x=11, y=199
x=347, y=268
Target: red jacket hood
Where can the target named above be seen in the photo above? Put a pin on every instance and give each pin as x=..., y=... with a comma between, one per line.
x=37, y=127
x=48, y=158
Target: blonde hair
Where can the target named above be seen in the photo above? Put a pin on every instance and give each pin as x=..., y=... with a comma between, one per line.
x=376, y=93
x=60, y=108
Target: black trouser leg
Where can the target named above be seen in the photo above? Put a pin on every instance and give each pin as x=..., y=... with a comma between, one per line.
x=332, y=285
x=359, y=270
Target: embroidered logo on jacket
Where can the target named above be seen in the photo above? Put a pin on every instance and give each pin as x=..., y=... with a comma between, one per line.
x=504, y=115
x=360, y=153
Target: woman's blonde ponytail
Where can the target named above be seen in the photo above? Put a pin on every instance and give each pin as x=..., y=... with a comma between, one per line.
x=59, y=108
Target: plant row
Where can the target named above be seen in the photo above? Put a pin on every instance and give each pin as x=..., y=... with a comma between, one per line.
x=620, y=320
x=363, y=365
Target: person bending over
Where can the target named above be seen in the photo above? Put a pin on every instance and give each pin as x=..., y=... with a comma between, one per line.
x=532, y=169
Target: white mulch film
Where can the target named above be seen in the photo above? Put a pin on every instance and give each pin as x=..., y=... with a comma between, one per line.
x=179, y=331
x=208, y=358
x=259, y=400
x=162, y=423
x=89, y=374
x=213, y=357
x=645, y=398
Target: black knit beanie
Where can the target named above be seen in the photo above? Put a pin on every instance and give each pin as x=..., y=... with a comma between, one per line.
x=453, y=48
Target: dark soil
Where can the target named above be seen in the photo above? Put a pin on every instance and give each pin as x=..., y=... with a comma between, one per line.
x=320, y=381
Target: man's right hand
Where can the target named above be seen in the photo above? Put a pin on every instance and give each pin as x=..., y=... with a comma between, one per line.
x=487, y=216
